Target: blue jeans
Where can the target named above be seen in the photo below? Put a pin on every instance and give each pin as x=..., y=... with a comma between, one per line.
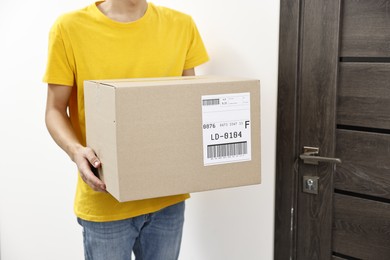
x=154, y=236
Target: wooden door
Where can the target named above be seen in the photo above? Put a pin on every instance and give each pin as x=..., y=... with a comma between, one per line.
x=334, y=94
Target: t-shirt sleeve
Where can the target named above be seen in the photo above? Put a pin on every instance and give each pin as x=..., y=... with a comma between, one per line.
x=60, y=61
x=197, y=53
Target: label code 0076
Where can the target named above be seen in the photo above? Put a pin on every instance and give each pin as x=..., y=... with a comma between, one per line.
x=226, y=150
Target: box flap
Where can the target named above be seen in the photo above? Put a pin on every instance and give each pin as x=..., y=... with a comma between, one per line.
x=181, y=80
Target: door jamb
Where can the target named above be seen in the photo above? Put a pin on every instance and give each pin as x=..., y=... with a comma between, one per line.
x=287, y=152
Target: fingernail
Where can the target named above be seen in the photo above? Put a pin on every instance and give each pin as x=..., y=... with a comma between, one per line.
x=96, y=164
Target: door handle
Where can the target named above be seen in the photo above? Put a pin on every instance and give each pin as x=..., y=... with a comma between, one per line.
x=309, y=156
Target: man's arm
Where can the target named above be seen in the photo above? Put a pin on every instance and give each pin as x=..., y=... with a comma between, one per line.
x=61, y=130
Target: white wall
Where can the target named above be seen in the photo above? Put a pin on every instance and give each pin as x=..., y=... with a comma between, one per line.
x=38, y=180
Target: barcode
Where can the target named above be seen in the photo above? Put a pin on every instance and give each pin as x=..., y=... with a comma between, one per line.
x=210, y=102
x=226, y=150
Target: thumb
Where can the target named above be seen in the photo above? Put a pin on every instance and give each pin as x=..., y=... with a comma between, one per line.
x=92, y=158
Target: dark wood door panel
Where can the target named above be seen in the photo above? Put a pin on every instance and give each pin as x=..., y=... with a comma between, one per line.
x=361, y=228
x=364, y=112
x=365, y=28
x=364, y=79
x=365, y=167
x=364, y=95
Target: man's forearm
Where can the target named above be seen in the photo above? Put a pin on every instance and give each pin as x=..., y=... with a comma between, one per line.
x=60, y=128
x=62, y=132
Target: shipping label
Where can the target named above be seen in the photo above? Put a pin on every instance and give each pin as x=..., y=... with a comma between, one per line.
x=226, y=128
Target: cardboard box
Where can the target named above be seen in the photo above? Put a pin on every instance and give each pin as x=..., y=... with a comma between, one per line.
x=165, y=136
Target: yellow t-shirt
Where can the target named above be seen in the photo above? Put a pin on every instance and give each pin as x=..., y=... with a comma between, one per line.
x=87, y=45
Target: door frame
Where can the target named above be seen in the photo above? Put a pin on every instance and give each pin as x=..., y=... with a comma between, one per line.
x=286, y=181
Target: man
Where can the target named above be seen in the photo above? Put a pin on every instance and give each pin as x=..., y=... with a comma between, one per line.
x=106, y=40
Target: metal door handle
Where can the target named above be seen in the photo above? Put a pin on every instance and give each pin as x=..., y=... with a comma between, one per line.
x=309, y=156
x=309, y=159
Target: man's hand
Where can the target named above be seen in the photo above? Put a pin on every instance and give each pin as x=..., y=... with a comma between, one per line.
x=85, y=158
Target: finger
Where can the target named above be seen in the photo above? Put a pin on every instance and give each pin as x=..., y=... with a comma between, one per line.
x=92, y=158
x=94, y=182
